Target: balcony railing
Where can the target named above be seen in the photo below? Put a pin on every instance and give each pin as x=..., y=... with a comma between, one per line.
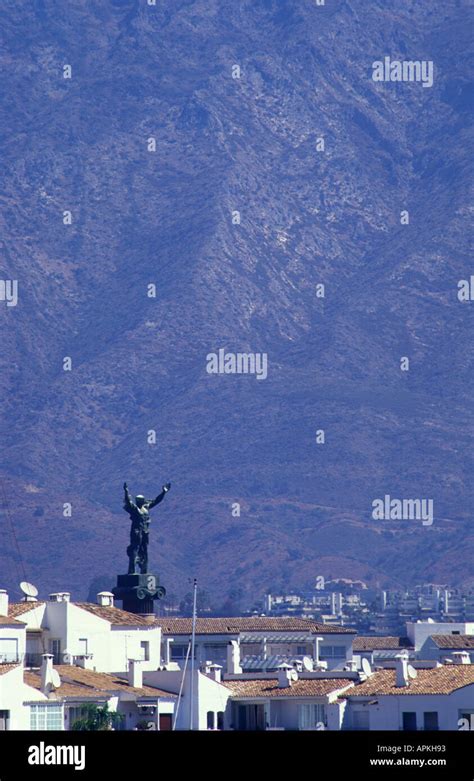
x=11, y=658
x=28, y=659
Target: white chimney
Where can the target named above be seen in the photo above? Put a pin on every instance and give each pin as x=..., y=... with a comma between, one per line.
x=3, y=602
x=351, y=665
x=401, y=670
x=46, y=672
x=84, y=661
x=446, y=601
x=461, y=657
x=168, y=642
x=233, y=658
x=135, y=673
x=60, y=596
x=297, y=665
x=105, y=599
x=285, y=672
x=317, y=641
x=215, y=672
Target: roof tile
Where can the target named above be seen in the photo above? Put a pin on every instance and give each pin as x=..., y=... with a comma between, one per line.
x=217, y=626
x=303, y=687
x=437, y=680
x=75, y=681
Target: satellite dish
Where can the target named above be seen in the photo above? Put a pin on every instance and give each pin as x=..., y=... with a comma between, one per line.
x=367, y=669
x=307, y=664
x=412, y=672
x=55, y=679
x=28, y=589
x=294, y=675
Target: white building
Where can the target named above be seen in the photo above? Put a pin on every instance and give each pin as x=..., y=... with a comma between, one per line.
x=436, y=699
x=12, y=640
x=257, y=643
x=287, y=701
x=419, y=631
x=444, y=647
x=53, y=698
x=203, y=701
x=105, y=634
x=380, y=650
x=14, y=692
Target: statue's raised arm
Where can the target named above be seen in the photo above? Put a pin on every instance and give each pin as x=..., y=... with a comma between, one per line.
x=127, y=503
x=153, y=502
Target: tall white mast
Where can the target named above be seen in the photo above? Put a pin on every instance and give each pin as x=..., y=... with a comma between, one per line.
x=193, y=639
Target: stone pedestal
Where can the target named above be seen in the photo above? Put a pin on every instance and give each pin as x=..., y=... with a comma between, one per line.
x=137, y=592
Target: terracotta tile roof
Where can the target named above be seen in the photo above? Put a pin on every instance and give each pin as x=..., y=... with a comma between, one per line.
x=219, y=626
x=114, y=615
x=303, y=687
x=77, y=682
x=380, y=643
x=66, y=689
x=437, y=680
x=18, y=608
x=9, y=620
x=5, y=668
x=456, y=642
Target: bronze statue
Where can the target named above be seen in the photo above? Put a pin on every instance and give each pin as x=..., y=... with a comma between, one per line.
x=137, y=551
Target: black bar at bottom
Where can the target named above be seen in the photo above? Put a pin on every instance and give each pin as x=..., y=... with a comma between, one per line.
x=120, y=755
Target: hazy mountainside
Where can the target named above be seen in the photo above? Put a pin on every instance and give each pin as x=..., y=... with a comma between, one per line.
x=165, y=217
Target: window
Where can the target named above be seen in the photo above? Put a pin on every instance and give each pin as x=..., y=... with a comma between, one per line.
x=220, y=719
x=409, y=720
x=46, y=717
x=301, y=650
x=145, y=650
x=311, y=715
x=55, y=649
x=4, y=720
x=430, y=720
x=178, y=652
x=210, y=719
x=8, y=649
x=466, y=720
x=332, y=651
x=75, y=714
x=82, y=643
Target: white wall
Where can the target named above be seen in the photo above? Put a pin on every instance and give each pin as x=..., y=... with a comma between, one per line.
x=111, y=644
x=12, y=642
x=33, y=618
x=13, y=693
x=387, y=713
x=209, y=695
x=335, y=639
x=419, y=632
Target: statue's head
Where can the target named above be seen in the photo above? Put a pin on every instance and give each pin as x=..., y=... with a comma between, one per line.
x=139, y=500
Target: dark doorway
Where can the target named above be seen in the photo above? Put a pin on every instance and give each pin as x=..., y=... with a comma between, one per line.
x=165, y=722
x=251, y=717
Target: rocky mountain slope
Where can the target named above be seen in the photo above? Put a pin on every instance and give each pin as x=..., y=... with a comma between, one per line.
x=308, y=216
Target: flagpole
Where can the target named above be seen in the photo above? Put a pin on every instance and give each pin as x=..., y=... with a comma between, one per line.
x=193, y=639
